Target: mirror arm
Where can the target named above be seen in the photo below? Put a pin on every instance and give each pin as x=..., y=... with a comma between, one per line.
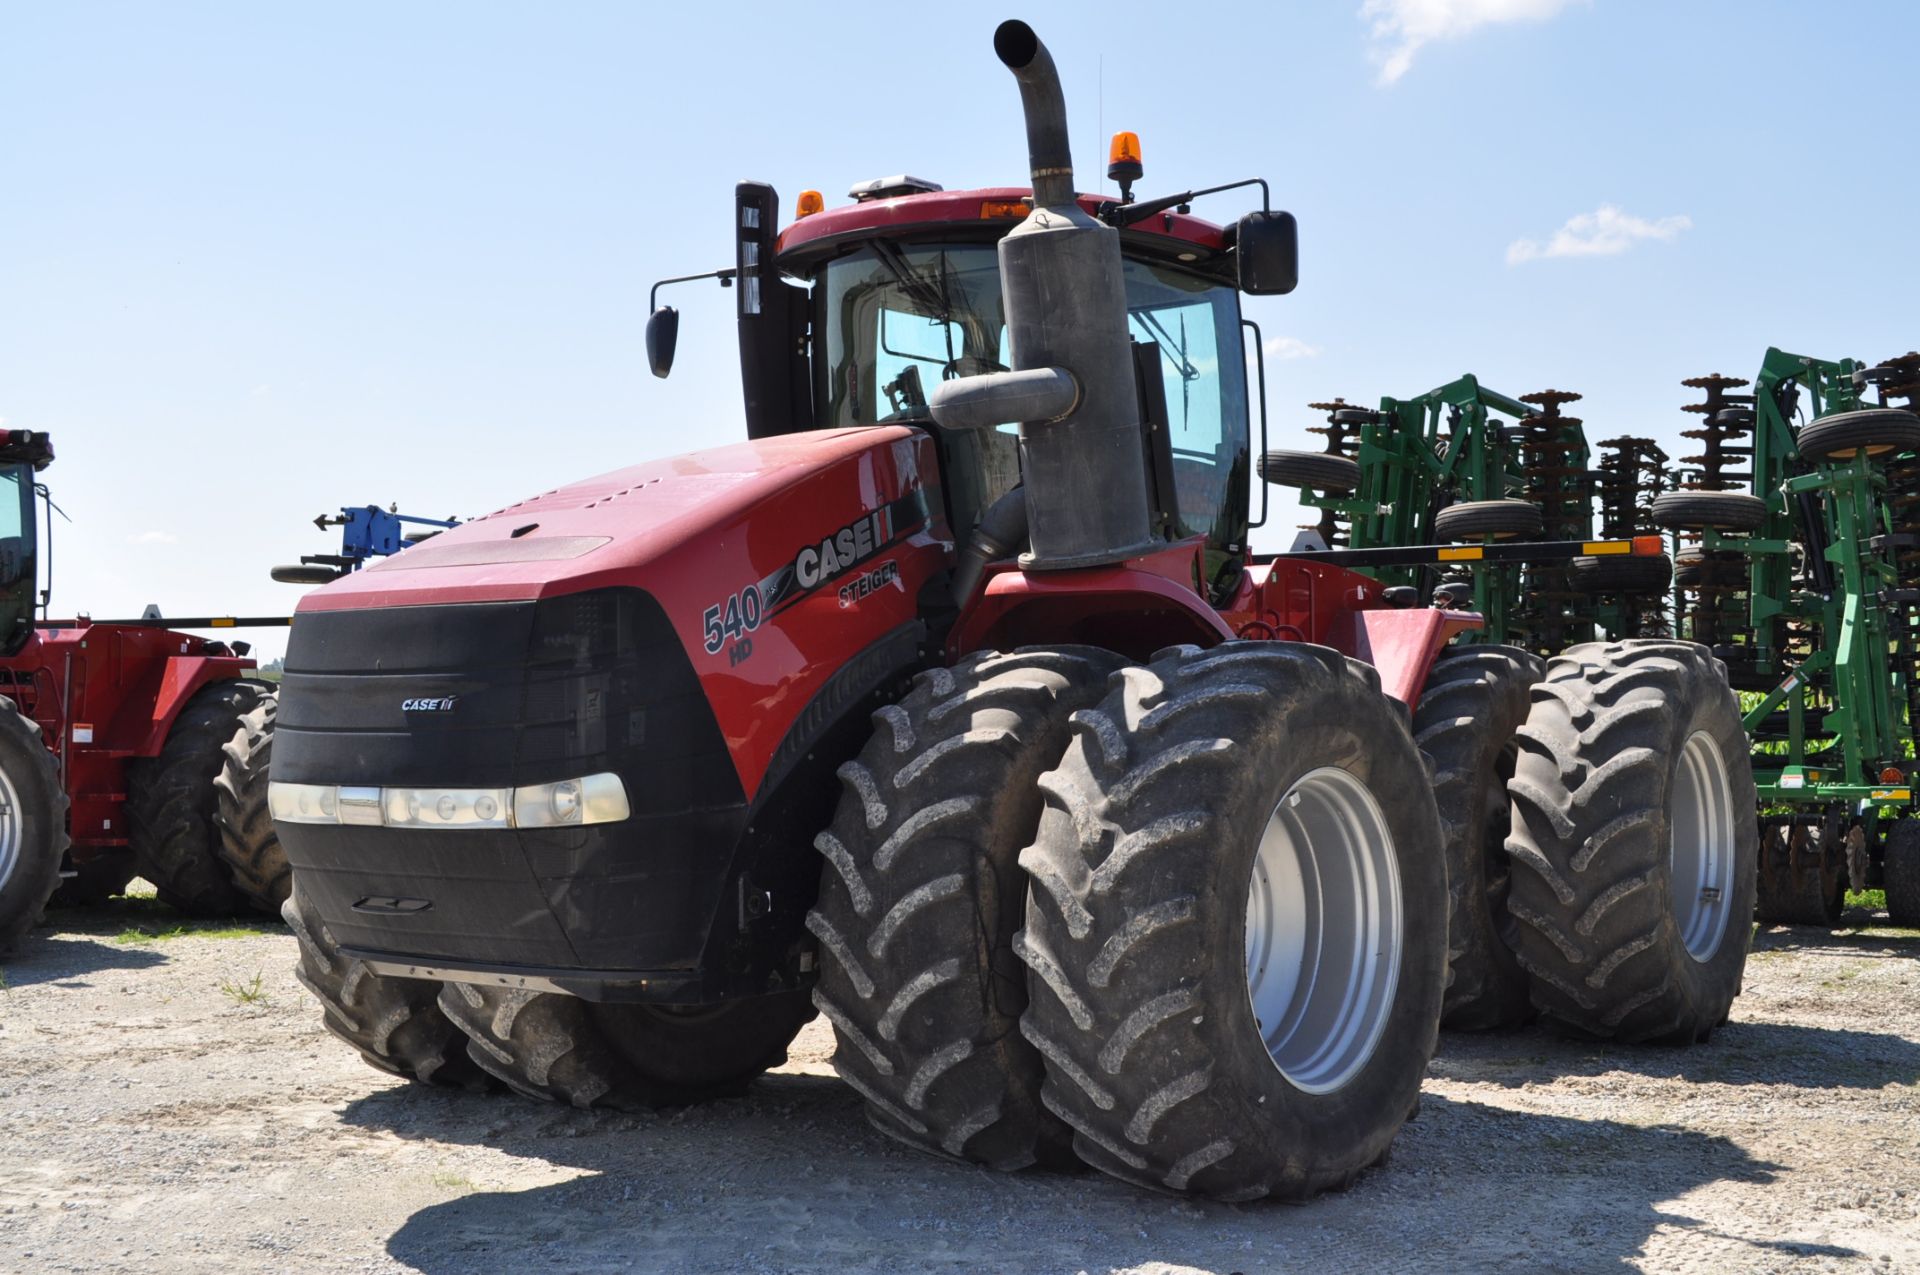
x=1260, y=367
x=1120, y=215
x=725, y=277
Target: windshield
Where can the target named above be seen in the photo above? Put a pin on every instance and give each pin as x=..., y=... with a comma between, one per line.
x=898, y=319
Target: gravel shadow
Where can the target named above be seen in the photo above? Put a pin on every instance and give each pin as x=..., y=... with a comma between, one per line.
x=60, y=958
x=1804, y=1057
x=791, y=1178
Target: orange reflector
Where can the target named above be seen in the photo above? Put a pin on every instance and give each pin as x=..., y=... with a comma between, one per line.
x=1603, y=548
x=1649, y=546
x=1003, y=208
x=1892, y=794
x=809, y=203
x=1465, y=553
x=1892, y=775
x=224, y=622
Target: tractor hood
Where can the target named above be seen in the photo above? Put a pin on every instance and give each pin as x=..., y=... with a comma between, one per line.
x=717, y=506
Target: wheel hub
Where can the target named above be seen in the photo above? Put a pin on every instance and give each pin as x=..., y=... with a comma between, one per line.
x=1702, y=853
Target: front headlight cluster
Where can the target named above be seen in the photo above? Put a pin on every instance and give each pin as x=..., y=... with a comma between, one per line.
x=567, y=803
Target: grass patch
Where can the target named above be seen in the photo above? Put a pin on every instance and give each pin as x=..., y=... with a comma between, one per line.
x=454, y=1182
x=157, y=933
x=247, y=993
x=3, y=980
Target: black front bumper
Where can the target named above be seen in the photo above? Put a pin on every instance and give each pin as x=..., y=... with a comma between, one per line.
x=559, y=689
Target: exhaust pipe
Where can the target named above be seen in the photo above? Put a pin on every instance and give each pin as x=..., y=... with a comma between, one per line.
x=1046, y=110
x=1083, y=454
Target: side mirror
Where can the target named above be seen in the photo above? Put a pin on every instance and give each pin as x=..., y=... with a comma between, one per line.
x=1267, y=245
x=663, y=332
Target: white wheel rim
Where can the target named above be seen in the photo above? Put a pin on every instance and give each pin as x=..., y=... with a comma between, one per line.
x=1324, y=930
x=1700, y=858
x=11, y=834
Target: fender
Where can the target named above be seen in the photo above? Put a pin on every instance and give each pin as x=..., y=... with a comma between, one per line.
x=1134, y=607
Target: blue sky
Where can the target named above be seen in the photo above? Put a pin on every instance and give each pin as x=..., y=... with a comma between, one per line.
x=261, y=261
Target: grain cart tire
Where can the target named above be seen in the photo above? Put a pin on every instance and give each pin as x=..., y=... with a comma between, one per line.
x=1621, y=573
x=33, y=824
x=1877, y=430
x=1317, y=471
x=1250, y=825
x=1474, y=701
x=393, y=1022
x=171, y=802
x=1708, y=510
x=922, y=894
x=1633, y=842
x=1478, y=519
x=248, y=844
x=95, y=880
x=560, y=1048
x=1901, y=872
x=1802, y=878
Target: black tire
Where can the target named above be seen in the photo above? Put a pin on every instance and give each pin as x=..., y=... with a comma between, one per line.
x=1602, y=761
x=1621, y=573
x=1479, y=519
x=1877, y=430
x=248, y=844
x=1709, y=510
x=923, y=894
x=560, y=1048
x=1475, y=700
x=1136, y=935
x=1316, y=471
x=1900, y=871
x=1802, y=878
x=38, y=831
x=1695, y=567
x=394, y=1023
x=95, y=879
x=171, y=802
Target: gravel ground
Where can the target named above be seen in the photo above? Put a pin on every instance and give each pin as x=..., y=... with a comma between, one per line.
x=161, y=1113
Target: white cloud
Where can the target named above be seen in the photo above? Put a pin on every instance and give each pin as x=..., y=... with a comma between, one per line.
x=1604, y=232
x=1290, y=347
x=152, y=538
x=1401, y=28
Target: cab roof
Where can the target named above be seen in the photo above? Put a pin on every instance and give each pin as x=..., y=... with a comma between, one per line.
x=992, y=210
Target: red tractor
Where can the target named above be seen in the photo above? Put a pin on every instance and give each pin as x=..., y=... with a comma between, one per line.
x=952, y=705
x=111, y=736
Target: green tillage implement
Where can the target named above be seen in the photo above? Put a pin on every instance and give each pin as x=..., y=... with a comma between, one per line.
x=1830, y=617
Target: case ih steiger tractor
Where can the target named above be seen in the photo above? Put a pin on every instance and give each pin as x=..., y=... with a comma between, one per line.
x=952, y=704
x=111, y=734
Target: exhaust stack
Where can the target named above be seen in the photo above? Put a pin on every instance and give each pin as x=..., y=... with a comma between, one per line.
x=1066, y=307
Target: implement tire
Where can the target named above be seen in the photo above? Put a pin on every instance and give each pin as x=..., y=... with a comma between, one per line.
x=559, y=1048
x=393, y=1022
x=248, y=844
x=1479, y=519
x=1708, y=510
x=171, y=802
x=1803, y=875
x=1877, y=430
x=1902, y=871
x=33, y=824
x=1244, y=826
x=923, y=892
x=1475, y=700
x=1633, y=842
x=1621, y=573
x=1312, y=471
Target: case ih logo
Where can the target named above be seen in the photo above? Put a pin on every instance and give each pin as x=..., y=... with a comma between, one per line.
x=429, y=704
x=814, y=566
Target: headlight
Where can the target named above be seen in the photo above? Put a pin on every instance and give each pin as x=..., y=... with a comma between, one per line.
x=564, y=804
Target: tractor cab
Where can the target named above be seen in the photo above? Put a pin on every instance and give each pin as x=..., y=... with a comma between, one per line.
x=23, y=453
x=854, y=316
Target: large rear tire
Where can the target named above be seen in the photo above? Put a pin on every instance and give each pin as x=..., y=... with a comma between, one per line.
x=923, y=893
x=1476, y=699
x=560, y=1048
x=33, y=824
x=171, y=802
x=1236, y=940
x=394, y=1023
x=248, y=844
x=1634, y=842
